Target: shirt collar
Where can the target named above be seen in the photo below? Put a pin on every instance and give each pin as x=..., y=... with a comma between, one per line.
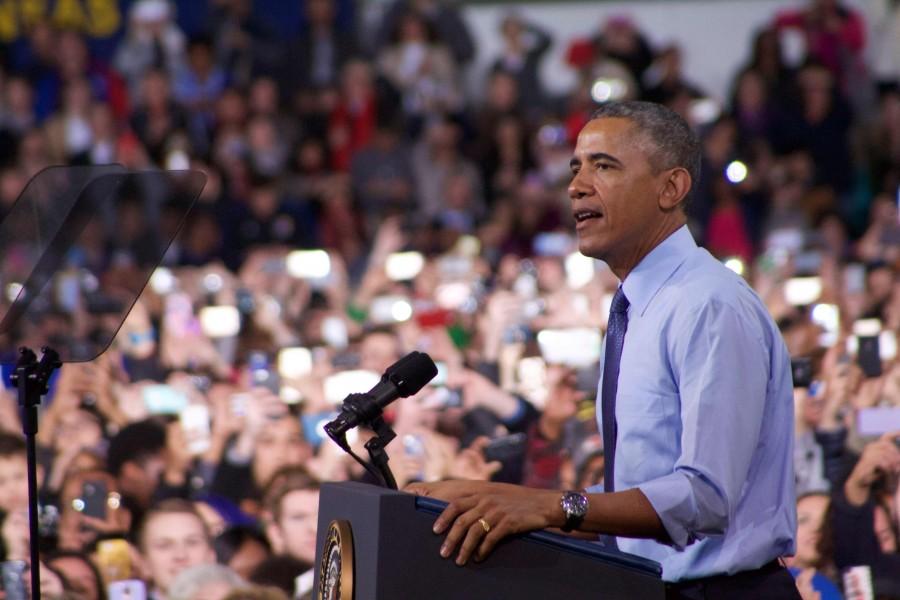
x=642, y=283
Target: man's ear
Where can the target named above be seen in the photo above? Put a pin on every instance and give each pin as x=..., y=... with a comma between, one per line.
x=676, y=185
x=274, y=535
x=276, y=539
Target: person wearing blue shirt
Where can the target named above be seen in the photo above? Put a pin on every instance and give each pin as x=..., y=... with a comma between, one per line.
x=696, y=399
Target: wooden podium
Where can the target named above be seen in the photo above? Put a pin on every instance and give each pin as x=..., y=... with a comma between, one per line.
x=377, y=544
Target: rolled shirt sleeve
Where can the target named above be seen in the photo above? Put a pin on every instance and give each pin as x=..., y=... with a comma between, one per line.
x=720, y=363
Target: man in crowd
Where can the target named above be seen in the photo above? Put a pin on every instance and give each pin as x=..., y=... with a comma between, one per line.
x=172, y=538
x=291, y=514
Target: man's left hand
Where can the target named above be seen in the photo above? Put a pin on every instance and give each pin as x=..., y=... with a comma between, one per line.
x=482, y=513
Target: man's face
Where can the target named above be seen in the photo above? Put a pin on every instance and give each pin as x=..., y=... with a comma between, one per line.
x=13, y=483
x=299, y=517
x=279, y=444
x=614, y=192
x=173, y=542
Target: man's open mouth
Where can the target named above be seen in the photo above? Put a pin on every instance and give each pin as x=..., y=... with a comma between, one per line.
x=584, y=215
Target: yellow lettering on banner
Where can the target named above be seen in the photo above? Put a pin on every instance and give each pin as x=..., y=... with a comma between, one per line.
x=105, y=17
x=9, y=24
x=32, y=12
x=69, y=14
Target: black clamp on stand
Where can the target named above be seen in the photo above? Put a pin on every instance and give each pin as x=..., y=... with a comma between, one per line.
x=363, y=410
x=32, y=378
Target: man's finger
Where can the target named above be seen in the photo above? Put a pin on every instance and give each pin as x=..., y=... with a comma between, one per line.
x=455, y=508
x=418, y=488
x=461, y=517
x=472, y=540
x=489, y=541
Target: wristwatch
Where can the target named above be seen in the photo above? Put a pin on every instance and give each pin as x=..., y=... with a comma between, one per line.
x=575, y=506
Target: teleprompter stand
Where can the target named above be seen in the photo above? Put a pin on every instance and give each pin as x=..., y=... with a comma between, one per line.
x=32, y=378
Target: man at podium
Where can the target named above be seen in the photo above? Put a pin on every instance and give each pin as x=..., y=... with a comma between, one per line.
x=696, y=403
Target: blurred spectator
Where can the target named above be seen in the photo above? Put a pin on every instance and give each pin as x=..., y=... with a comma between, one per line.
x=834, y=35
x=268, y=218
x=352, y=122
x=153, y=41
x=752, y=108
x=316, y=58
x=69, y=60
x=80, y=575
x=290, y=514
x=280, y=572
x=883, y=141
x=78, y=530
x=157, y=119
x=420, y=67
x=204, y=581
x=594, y=64
x=441, y=16
x=69, y=133
x=270, y=439
x=242, y=549
x=864, y=520
x=665, y=81
x=440, y=171
x=13, y=483
x=524, y=45
x=618, y=52
x=197, y=83
x=17, y=106
x=813, y=563
x=382, y=181
x=172, y=539
x=624, y=42
x=246, y=45
x=819, y=123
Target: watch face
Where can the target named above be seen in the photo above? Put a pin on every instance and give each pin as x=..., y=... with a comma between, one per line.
x=575, y=504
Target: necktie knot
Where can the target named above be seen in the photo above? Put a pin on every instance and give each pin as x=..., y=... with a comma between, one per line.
x=619, y=302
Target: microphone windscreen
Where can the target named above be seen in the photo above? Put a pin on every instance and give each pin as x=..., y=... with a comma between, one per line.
x=411, y=373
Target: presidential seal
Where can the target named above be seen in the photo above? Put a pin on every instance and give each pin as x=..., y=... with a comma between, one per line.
x=336, y=568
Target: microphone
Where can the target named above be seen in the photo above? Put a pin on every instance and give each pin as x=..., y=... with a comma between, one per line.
x=402, y=379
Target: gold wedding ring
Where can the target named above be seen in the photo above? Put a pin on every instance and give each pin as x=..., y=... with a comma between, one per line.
x=485, y=525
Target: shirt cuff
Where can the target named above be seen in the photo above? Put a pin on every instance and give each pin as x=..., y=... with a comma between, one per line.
x=673, y=500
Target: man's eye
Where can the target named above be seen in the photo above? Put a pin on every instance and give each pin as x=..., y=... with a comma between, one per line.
x=603, y=166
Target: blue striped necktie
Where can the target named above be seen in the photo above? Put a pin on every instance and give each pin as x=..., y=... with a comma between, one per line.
x=615, y=339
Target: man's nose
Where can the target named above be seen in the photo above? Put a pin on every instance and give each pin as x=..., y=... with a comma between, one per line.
x=181, y=554
x=577, y=187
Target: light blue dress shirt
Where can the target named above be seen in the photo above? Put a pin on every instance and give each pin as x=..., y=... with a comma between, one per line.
x=705, y=415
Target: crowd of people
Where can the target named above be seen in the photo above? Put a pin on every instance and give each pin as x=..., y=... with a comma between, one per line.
x=360, y=203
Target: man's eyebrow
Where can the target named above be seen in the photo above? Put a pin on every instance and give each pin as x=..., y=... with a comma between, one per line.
x=604, y=156
x=594, y=156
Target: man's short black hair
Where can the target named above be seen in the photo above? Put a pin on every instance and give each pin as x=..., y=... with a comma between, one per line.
x=134, y=443
x=671, y=142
